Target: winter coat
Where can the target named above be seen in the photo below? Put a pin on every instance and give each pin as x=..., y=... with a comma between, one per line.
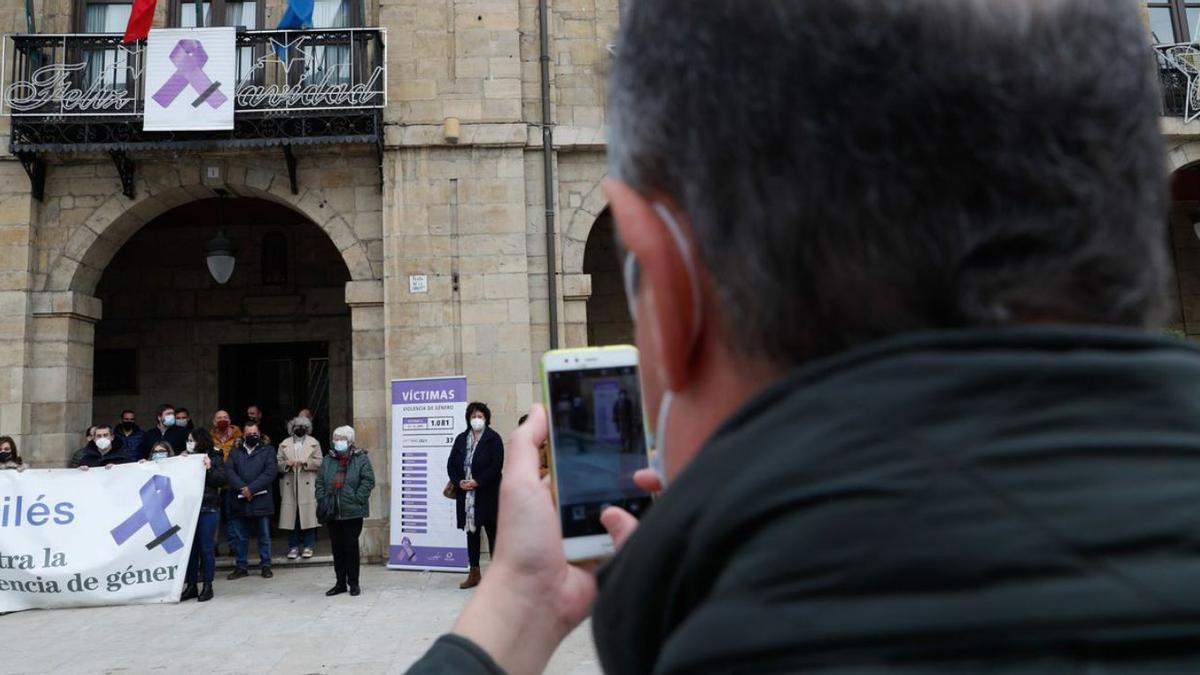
x=299, y=484
x=487, y=464
x=257, y=471
x=176, y=436
x=354, y=500
x=235, y=434
x=10, y=465
x=93, y=458
x=214, y=480
x=132, y=444
x=1010, y=501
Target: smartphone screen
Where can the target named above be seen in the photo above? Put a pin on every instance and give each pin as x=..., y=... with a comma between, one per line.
x=599, y=442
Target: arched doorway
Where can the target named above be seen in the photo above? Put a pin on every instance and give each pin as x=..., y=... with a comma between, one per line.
x=276, y=335
x=608, y=320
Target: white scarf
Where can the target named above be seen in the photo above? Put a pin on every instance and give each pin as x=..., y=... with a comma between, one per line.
x=469, y=498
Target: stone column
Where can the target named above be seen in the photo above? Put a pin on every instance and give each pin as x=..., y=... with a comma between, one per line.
x=58, y=384
x=369, y=405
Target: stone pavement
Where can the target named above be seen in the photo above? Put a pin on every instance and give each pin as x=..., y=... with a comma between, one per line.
x=280, y=625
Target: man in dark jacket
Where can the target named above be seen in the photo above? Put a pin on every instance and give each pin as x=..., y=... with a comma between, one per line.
x=898, y=273
x=131, y=436
x=251, y=476
x=165, y=430
x=102, y=450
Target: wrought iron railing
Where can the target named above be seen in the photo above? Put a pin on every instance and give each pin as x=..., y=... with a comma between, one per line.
x=278, y=72
x=1178, y=71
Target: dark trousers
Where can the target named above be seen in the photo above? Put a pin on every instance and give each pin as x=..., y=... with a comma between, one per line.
x=474, y=540
x=240, y=531
x=204, y=546
x=343, y=539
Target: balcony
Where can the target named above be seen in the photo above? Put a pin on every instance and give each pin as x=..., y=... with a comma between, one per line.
x=86, y=92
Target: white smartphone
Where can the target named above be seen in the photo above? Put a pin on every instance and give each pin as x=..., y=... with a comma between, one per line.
x=593, y=397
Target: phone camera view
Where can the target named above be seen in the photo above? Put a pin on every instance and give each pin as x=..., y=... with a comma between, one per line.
x=599, y=442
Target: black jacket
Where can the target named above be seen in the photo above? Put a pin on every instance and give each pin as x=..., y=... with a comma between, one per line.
x=176, y=436
x=93, y=459
x=214, y=480
x=256, y=471
x=1018, y=501
x=487, y=464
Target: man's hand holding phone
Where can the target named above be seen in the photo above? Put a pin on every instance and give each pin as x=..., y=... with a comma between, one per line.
x=531, y=597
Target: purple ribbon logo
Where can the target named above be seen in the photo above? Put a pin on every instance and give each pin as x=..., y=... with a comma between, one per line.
x=156, y=495
x=189, y=58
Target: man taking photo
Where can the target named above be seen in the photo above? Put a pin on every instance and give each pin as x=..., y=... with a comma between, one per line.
x=898, y=272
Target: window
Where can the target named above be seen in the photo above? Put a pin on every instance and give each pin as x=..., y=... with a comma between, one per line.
x=274, y=259
x=330, y=64
x=109, y=67
x=237, y=13
x=1174, y=21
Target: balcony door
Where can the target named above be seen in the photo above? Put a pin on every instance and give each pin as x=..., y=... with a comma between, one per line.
x=1173, y=21
x=106, y=68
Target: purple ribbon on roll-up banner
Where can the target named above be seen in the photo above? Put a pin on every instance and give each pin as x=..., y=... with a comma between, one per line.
x=189, y=58
x=156, y=496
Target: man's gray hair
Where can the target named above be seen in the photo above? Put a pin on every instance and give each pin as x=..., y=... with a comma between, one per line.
x=853, y=169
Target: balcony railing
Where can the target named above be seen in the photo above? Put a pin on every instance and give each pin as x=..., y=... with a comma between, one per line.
x=1178, y=72
x=87, y=91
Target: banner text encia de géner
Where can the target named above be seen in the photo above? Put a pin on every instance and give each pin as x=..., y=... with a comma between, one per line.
x=71, y=538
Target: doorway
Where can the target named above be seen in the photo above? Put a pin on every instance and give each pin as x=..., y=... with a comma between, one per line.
x=281, y=378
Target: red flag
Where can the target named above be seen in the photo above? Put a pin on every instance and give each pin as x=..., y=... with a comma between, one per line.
x=140, y=19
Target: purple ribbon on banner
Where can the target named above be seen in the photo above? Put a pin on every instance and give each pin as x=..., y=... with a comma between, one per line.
x=156, y=495
x=189, y=58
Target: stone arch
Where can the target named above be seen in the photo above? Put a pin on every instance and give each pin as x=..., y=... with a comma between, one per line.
x=1183, y=155
x=88, y=250
x=579, y=227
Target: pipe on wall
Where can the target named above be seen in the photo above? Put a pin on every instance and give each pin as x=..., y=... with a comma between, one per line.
x=548, y=174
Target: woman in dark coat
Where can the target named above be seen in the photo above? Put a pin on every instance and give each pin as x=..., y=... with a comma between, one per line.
x=201, y=561
x=475, y=466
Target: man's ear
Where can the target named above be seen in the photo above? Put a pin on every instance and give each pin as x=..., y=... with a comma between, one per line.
x=664, y=297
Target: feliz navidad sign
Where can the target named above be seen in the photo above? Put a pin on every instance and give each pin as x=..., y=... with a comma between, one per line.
x=196, y=78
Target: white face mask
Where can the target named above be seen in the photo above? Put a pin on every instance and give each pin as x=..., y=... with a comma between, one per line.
x=190, y=445
x=158, y=456
x=477, y=423
x=103, y=443
x=658, y=442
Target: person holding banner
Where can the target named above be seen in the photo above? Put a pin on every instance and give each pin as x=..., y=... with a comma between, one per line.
x=475, y=465
x=347, y=474
x=100, y=451
x=77, y=456
x=10, y=459
x=251, y=474
x=203, y=553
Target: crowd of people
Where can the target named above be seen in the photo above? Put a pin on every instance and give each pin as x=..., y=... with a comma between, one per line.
x=248, y=482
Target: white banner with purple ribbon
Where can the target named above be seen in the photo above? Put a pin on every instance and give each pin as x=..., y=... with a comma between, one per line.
x=427, y=415
x=191, y=75
x=119, y=536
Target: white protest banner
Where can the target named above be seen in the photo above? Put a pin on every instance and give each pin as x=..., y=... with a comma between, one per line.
x=71, y=538
x=427, y=414
x=191, y=75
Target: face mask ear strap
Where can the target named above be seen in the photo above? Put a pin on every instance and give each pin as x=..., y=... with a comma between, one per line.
x=689, y=264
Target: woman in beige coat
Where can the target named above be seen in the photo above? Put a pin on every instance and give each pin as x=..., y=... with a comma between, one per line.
x=299, y=460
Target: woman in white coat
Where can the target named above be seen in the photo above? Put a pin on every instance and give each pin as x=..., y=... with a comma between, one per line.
x=299, y=460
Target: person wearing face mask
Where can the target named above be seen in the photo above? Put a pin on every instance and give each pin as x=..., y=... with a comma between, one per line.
x=132, y=436
x=346, y=472
x=254, y=415
x=167, y=429
x=102, y=450
x=299, y=459
x=77, y=456
x=183, y=419
x=202, y=558
x=9, y=457
x=225, y=434
x=158, y=452
x=475, y=467
x=251, y=472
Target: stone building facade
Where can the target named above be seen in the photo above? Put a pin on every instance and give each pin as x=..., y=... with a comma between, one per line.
x=94, y=282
